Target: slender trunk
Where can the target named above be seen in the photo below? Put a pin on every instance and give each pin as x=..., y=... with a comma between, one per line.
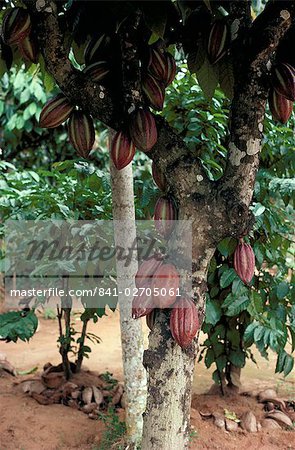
x=81, y=345
x=131, y=330
x=63, y=349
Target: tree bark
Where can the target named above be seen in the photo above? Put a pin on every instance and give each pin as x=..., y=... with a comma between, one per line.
x=131, y=330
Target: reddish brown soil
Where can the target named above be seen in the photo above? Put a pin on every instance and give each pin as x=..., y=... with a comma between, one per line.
x=26, y=425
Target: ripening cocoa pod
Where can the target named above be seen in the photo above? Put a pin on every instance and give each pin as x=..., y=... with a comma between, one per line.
x=55, y=112
x=122, y=150
x=147, y=269
x=159, y=177
x=157, y=63
x=81, y=132
x=184, y=322
x=29, y=49
x=151, y=318
x=97, y=71
x=244, y=261
x=165, y=284
x=218, y=41
x=143, y=129
x=162, y=66
x=165, y=215
x=97, y=49
x=154, y=91
x=16, y=26
x=283, y=80
x=142, y=303
x=280, y=107
x=170, y=69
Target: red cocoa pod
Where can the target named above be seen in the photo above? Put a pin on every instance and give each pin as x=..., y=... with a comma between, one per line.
x=122, y=150
x=97, y=49
x=143, y=303
x=165, y=215
x=244, y=262
x=55, y=112
x=184, y=322
x=143, y=129
x=154, y=91
x=81, y=132
x=151, y=318
x=165, y=284
x=218, y=41
x=162, y=65
x=157, y=63
x=283, y=80
x=29, y=49
x=159, y=177
x=16, y=26
x=97, y=71
x=147, y=269
x=170, y=69
x=280, y=107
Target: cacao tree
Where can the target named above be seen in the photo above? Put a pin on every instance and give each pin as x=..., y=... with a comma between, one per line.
x=224, y=43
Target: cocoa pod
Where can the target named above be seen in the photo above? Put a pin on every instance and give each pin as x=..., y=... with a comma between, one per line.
x=97, y=49
x=283, y=80
x=122, y=150
x=184, y=322
x=143, y=130
x=147, y=269
x=16, y=26
x=165, y=215
x=280, y=107
x=142, y=303
x=162, y=66
x=97, y=71
x=165, y=284
x=150, y=319
x=244, y=261
x=157, y=63
x=159, y=177
x=55, y=112
x=29, y=49
x=81, y=133
x=154, y=91
x=218, y=41
x=170, y=69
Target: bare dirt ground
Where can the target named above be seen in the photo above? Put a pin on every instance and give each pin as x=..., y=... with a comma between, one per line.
x=27, y=425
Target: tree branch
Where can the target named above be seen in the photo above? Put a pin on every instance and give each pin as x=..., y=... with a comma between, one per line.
x=251, y=91
x=93, y=98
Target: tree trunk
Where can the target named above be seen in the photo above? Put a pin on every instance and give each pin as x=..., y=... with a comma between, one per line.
x=131, y=330
x=170, y=369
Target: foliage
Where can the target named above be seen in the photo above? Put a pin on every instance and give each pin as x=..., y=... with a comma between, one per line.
x=114, y=431
x=16, y=325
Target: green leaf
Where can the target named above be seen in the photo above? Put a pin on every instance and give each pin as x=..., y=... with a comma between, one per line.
x=207, y=79
x=237, y=358
x=282, y=290
x=239, y=304
x=16, y=325
x=156, y=18
x=226, y=77
x=227, y=278
x=213, y=311
x=209, y=358
x=196, y=58
x=227, y=246
x=258, y=209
